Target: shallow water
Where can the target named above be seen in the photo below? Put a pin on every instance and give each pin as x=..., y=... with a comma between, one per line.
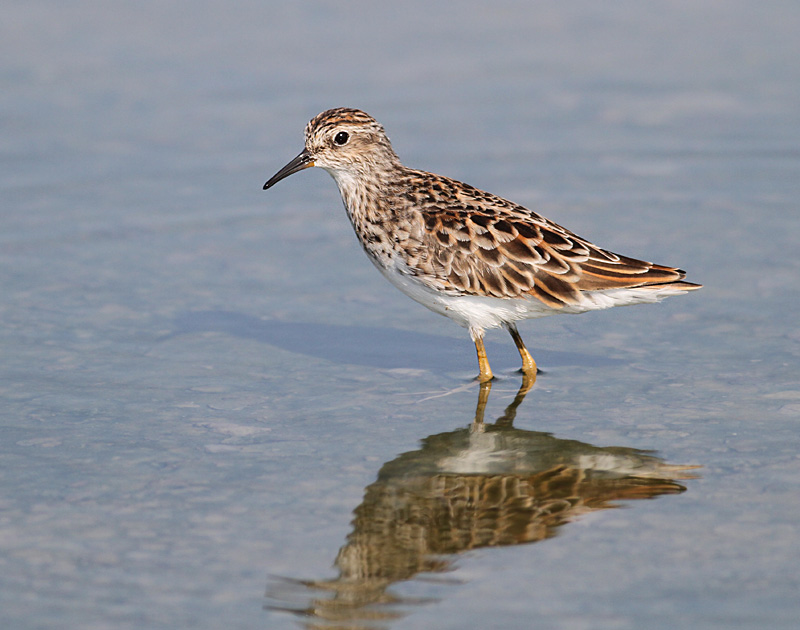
x=217, y=414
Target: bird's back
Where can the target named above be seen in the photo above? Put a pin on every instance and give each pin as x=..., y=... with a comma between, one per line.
x=465, y=241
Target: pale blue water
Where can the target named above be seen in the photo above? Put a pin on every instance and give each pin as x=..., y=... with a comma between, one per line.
x=201, y=381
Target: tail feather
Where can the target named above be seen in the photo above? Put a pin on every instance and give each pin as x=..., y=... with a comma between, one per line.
x=680, y=286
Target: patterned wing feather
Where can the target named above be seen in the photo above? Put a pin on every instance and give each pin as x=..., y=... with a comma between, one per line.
x=482, y=244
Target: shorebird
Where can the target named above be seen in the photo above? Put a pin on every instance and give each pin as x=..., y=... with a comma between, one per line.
x=479, y=259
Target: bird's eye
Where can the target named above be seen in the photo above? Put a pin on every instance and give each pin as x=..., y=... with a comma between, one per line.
x=341, y=138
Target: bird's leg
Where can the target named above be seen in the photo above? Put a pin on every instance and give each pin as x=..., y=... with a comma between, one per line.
x=483, y=362
x=528, y=364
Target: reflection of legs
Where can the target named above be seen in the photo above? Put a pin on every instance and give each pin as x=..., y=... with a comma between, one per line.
x=507, y=419
x=528, y=364
x=483, y=362
x=527, y=382
x=483, y=398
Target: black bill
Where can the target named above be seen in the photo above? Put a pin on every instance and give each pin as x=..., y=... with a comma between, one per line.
x=304, y=160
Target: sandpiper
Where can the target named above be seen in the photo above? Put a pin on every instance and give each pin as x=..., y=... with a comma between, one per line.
x=479, y=259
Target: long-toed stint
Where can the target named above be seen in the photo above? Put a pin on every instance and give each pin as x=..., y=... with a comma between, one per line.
x=479, y=259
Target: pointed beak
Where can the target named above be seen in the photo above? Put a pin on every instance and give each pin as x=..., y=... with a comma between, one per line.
x=304, y=160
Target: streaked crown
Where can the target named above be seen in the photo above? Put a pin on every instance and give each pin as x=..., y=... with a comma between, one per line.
x=345, y=139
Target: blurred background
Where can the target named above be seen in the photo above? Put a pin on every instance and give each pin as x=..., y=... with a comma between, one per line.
x=216, y=412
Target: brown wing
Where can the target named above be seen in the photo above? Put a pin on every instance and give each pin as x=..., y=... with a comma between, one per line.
x=481, y=244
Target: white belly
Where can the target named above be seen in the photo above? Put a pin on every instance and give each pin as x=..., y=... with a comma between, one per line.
x=469, y=311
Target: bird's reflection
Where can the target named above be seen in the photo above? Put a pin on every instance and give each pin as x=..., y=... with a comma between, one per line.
x=485, y=485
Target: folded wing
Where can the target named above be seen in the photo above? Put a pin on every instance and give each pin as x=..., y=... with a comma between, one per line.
x=482, y=244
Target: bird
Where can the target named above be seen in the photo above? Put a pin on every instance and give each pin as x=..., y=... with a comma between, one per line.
x=479, y=259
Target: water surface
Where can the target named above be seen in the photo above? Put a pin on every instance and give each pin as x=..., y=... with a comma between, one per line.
x=216, y=413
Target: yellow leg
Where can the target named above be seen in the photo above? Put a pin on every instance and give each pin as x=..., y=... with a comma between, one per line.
x=528, y=364
x=483, y=363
